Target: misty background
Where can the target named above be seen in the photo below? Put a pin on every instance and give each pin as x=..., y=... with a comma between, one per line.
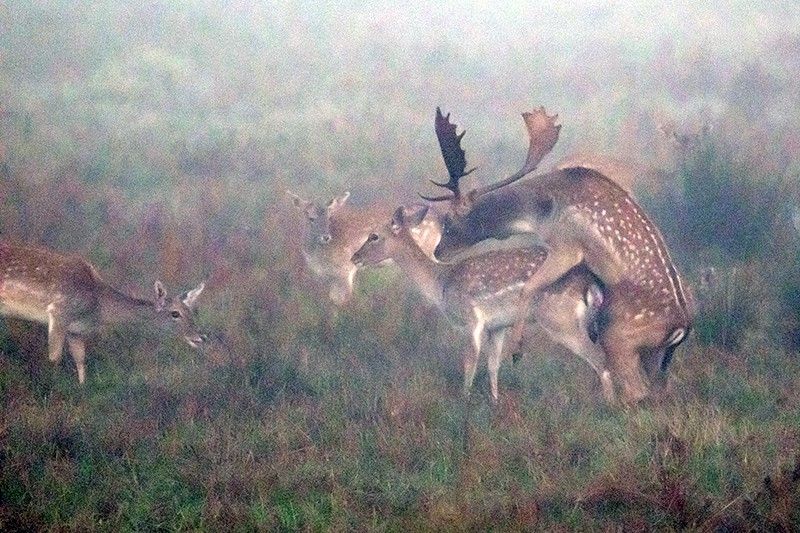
x=159, y=138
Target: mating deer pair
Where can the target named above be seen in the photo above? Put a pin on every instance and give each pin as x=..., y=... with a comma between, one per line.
x=67, y=294
x=480, y=293
x=584, y=219
x=589, y=226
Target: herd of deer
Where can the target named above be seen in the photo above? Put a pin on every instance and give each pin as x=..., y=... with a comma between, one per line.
x=586, y=265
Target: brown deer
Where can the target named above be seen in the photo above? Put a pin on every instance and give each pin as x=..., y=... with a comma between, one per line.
x=583, y=218
x=481, y=293
x=66, y=293
x=336, y=231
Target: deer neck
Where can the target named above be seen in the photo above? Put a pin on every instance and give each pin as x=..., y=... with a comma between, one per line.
x=506, y=213
x=117, y=307
x=426, y=273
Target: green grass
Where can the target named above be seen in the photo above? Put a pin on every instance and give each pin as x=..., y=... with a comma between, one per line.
x=179, y=442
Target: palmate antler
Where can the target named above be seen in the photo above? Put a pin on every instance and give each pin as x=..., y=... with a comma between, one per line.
x=542, y=131
x=454, y=157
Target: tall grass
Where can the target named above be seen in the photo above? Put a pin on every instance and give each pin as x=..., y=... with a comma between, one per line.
x=726, y=212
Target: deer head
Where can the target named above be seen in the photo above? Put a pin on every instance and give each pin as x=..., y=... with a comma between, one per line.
x=318, y=217
x=543, y=133
x=386, y=241
x=177, y=313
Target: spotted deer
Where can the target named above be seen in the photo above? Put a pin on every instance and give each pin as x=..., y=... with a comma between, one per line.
x=68, y=295
x=480, y=293
x=583, y=218
x=336, y=231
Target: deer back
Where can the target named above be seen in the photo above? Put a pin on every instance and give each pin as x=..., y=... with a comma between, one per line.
x=33, y=278
x=620, y=243
x=491, y=281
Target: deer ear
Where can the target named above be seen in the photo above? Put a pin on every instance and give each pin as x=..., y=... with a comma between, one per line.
x=414, y=214
x=298, y=202
x=338, y=201
x=398, y=219
x=189, y=299
x=161, y=296
x=594, y=296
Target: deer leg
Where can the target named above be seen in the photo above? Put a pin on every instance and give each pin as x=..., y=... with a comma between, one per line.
x=495, y=358
x=597, y=360
x=470, y=361
x=580, y=344
x=656, y=359
x=559, y=261
x=651, y=363
x=56, y=333
x=587, y=347
x=655, y=362
x=570, y=328
x=77, y=347
x=608, y=386
x=471, y=355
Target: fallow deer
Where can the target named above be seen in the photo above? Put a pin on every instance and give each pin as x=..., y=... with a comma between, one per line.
x=582, y=217
x=481, y=293
x=336, y=231
x=68, y=295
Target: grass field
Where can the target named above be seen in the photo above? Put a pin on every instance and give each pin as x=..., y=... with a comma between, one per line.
x=158, y=140
x=378, y=436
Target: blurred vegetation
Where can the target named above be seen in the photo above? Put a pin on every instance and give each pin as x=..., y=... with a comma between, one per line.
x=158, y=139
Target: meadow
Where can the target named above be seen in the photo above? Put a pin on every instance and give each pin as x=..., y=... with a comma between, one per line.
x=158, y=141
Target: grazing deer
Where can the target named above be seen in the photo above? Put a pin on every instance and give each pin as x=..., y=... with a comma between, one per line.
x=582, y=217
x=67, y=294
x=336, y=231
x=481, y=293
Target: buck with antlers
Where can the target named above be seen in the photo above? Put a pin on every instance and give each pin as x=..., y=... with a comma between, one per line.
x=583, y=218
x=336, y=231
x=481, y=293
x=68, y=295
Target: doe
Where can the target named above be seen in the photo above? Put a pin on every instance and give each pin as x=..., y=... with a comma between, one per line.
x=337, y=230
x=66, y=293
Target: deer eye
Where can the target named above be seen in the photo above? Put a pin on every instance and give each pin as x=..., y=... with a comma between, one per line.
x=372, y=237
x=175, y=314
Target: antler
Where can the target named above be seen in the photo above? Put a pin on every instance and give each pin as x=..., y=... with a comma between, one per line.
x=543, y=133
x=454, y=157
